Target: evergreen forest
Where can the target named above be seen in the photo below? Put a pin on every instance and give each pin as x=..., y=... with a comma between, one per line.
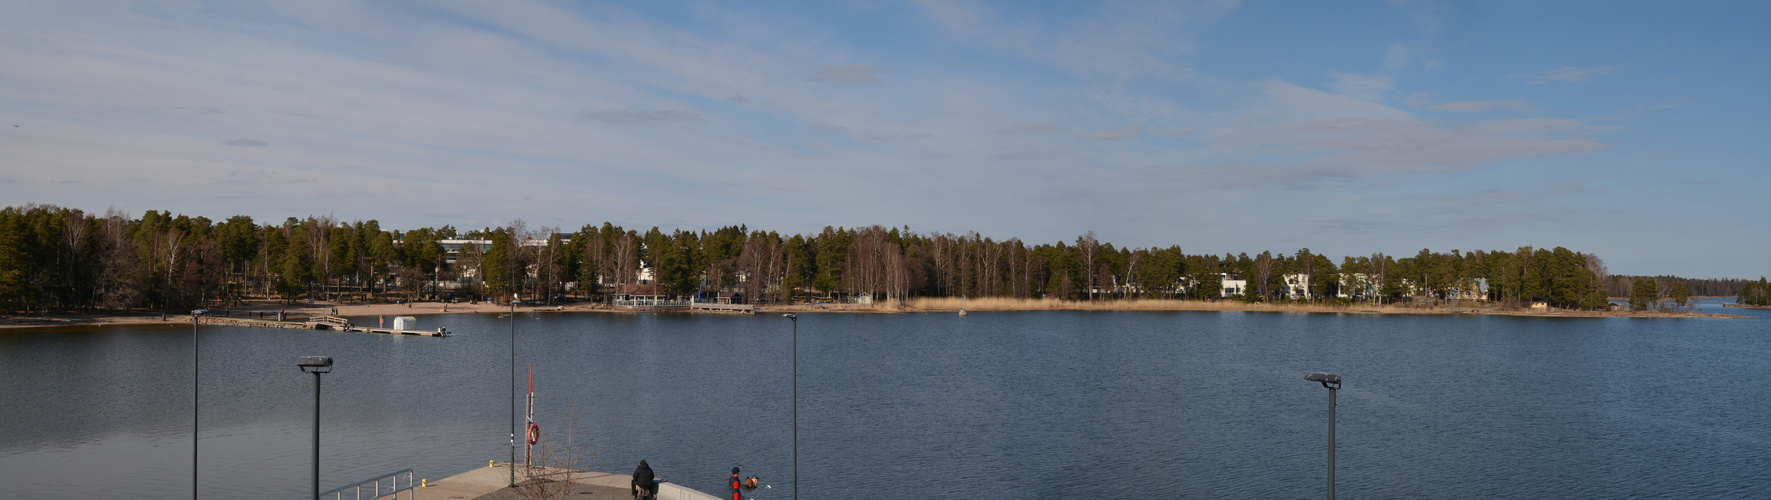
x=58, y=259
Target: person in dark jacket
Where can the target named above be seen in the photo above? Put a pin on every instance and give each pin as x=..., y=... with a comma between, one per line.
x=643, y=480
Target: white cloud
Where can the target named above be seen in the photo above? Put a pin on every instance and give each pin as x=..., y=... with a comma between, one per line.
x=1477, y=106
x=1566, y=74
x=1285, y=101
x=642, y=118
x=686, y=124
x=1119, y=40
x=844, y=75
x=1426, y=15
x=1398, y=56
x=1423, y=99
x=1377, y=144
x=1033, y=128
x=1362, y=86
x=1113, y=134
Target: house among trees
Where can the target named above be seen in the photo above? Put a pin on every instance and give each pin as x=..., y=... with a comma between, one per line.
x=1468, y=289
x=1232, y=285
x=713, y=297
x=54, y=258
x=648, y=295
x=1358, y=286
x=1297, y=286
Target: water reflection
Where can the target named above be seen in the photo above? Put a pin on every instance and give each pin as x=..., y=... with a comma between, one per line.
x=1036, y=404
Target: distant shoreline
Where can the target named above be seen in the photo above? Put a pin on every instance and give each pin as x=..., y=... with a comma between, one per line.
x=918, y=305
x=926, y=305
x=1744, y=306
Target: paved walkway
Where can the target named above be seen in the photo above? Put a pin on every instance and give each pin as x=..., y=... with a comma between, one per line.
x=491, y=483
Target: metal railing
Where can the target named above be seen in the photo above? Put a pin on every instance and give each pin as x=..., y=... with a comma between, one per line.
x=376, y=491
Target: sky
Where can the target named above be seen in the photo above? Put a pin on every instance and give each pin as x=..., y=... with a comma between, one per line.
x=1635, y=131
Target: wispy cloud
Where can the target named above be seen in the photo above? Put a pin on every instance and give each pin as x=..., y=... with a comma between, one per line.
x=1426, y=100
x=1362, y=86
x=1379, y=144
x=1116, y=40
x=844, y=75
x=1567, y=74
x=1170, y=132
x=1077, y=116
x=1033, y=128
x=1113, y=134
x=639, y=118
x=1426, y=15
x=1478, y=106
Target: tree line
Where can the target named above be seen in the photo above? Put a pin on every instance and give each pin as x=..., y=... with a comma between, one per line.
x=1755, y=293
x=1621, y=286
x=59, y=258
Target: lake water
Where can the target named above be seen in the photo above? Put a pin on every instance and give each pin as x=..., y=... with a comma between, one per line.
x=993, y=405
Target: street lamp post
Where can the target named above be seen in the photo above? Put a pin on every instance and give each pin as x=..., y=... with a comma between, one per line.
x=194, y=393
x=316, y=365
x=1333, y=383
x=513, y=389
x=795, y=319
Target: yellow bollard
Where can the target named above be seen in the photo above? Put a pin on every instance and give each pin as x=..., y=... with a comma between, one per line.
x=425, y=483
x=489, y=463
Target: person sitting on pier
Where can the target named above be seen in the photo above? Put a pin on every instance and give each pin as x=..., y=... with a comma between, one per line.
x=644, y=481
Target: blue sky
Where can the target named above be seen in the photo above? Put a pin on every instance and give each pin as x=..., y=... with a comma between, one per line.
x=1635, y=131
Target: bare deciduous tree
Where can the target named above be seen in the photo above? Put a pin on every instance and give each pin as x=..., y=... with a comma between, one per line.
x=1263, y=271
x=554, y=463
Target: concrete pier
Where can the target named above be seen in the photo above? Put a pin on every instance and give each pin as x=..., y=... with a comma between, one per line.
x=490, y=483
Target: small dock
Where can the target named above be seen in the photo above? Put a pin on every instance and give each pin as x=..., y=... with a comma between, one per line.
x=333, y=323
x=716, y=307
x=342, y=324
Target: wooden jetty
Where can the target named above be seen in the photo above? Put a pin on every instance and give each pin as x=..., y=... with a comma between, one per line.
x=333, y=323
x=717, y=307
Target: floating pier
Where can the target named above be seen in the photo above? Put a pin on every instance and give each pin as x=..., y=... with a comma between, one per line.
x=333, y=323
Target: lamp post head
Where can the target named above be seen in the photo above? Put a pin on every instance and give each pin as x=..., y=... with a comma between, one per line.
x=791, y=316
x=200, y=312
x=1325, y=379
x=315, y=364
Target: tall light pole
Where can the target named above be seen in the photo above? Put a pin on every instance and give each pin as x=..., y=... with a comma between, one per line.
x=513, y=389
x=795, y=319
x=1333, y=383
x=316, y=365
x=194, y=393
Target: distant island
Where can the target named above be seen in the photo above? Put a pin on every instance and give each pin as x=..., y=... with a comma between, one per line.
x=66, y=261
x=1754, y=295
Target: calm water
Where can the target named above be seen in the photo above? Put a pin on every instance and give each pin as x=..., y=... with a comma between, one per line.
x=1011, y=405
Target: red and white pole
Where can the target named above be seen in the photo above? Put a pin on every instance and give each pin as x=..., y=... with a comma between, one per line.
x=533, y=431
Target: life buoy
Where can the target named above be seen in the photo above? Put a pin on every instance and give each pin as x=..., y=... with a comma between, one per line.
x=534, y=434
